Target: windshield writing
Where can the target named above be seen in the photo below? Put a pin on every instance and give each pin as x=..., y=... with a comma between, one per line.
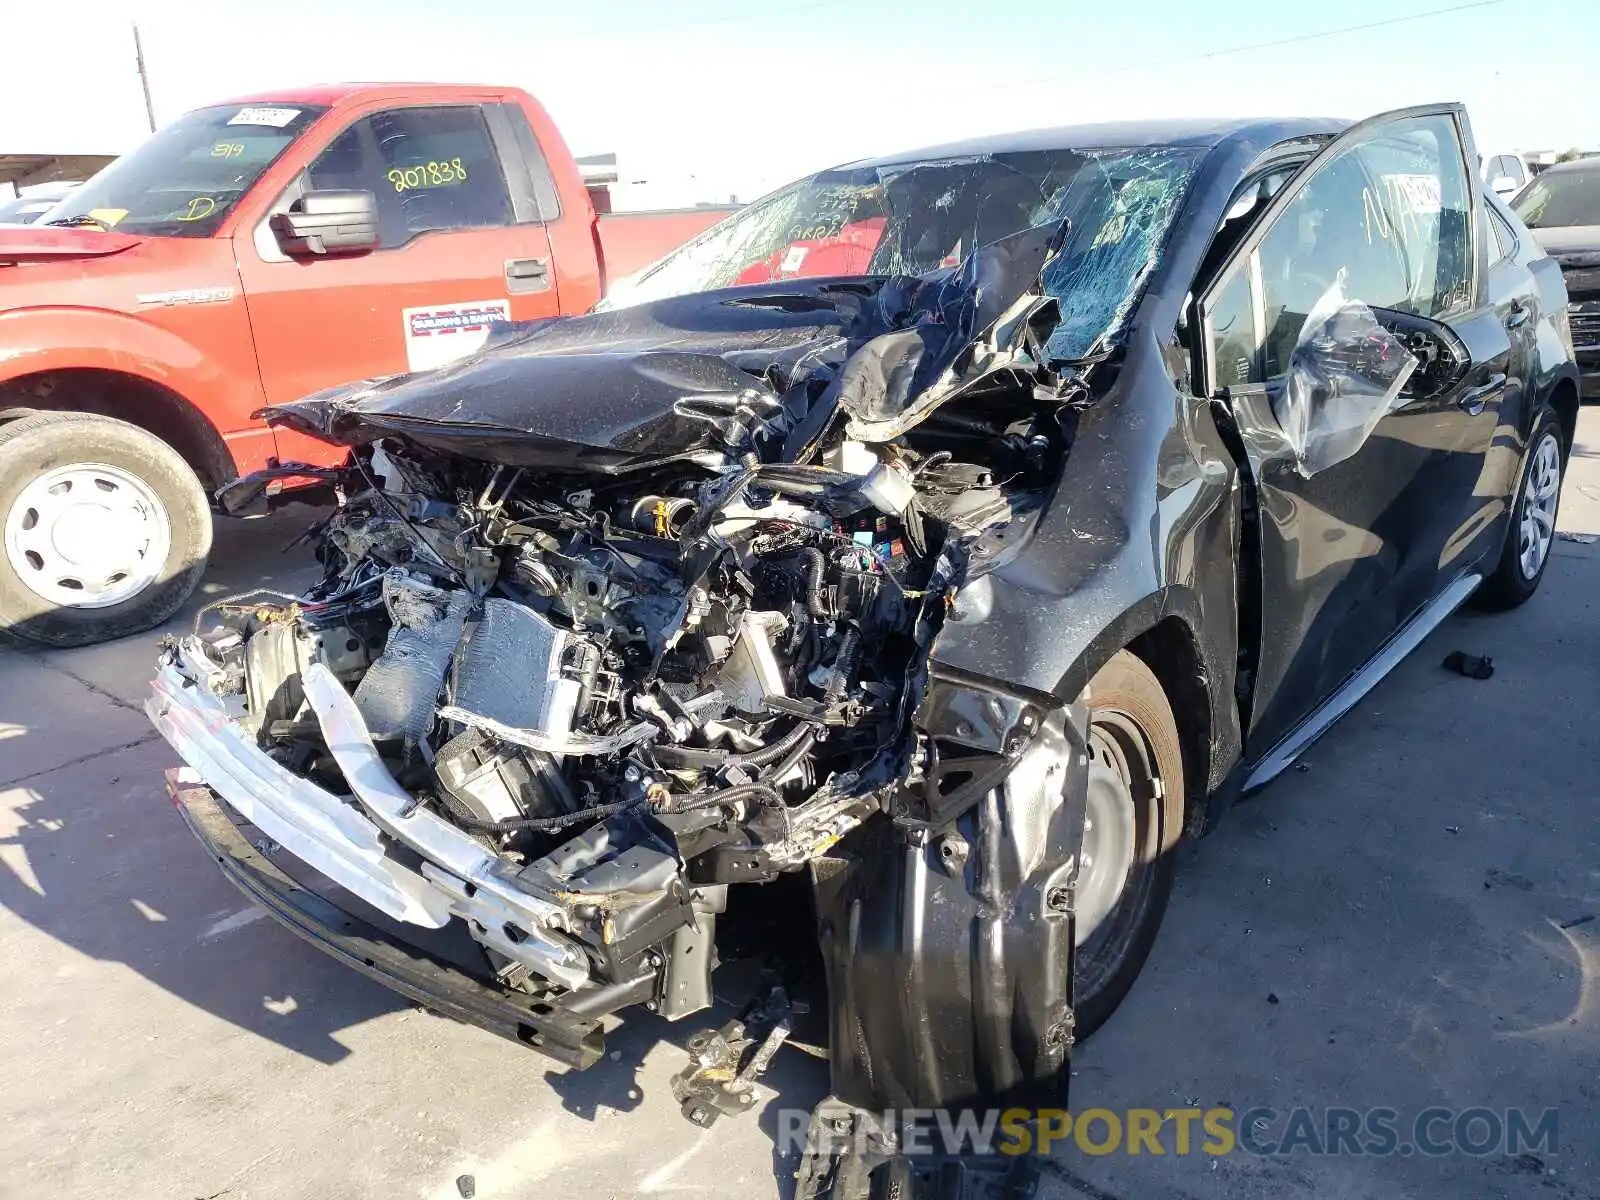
x=186, y=178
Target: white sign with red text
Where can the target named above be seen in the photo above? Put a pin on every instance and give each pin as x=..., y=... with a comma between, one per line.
x=439, y=333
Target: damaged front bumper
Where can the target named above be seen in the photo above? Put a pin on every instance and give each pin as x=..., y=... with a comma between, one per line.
x=355, y=844
x=570, y=1034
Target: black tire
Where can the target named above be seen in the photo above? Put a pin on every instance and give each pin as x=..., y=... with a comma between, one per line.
x=1132, y=733
x=50, y=440
x=1510, y=584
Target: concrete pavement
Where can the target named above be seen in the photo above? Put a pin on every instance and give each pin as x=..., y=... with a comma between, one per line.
x=1400, y=924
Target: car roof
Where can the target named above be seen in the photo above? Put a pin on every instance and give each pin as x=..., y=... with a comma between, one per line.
x=1121, y=135
x=1578, y=164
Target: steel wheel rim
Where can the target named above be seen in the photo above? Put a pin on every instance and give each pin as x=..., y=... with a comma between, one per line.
x=1109, y=838
x=1540, y=492
x=87, y=536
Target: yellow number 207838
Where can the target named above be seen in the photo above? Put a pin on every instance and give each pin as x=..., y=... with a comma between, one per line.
x=433, y=173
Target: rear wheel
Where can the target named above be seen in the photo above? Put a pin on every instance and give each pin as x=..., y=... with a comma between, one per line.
x=105, y=529
x=1132, y=820
x=1532, y=531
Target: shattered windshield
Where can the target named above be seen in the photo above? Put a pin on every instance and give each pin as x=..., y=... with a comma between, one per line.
x=911, y=218
x=185, y=179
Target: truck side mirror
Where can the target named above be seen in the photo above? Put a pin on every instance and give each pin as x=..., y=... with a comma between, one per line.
x=328, y=223
x=1503, y=185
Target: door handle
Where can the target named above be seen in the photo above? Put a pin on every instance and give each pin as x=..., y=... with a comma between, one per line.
x=528, y=274
x=1473, y=399
x=1519, y=314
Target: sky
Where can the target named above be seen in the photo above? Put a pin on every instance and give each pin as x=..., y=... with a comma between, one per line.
x=733, y=97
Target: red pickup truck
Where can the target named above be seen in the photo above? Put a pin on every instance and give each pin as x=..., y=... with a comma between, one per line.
x=247, y=254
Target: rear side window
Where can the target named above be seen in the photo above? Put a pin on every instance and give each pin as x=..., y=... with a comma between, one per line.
x=430, y=168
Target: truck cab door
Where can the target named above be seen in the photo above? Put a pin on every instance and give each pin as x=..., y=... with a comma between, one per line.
x=1363, y=467
x=462, y=243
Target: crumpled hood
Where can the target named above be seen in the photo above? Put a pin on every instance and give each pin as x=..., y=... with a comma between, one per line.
x=624, y=388
x=35, y=243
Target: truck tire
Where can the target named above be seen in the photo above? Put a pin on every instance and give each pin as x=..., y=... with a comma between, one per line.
x=105, y=529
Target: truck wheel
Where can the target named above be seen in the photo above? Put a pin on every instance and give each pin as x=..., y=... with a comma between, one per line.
x=106, y=529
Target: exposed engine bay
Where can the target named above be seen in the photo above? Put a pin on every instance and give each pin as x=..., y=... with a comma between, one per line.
x=568, y=683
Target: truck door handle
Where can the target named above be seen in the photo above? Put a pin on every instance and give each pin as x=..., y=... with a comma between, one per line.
x=1474, y=399
x=528, y=274
x=1519, y=314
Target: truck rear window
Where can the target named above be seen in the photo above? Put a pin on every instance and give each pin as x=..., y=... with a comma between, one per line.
x=184, y=180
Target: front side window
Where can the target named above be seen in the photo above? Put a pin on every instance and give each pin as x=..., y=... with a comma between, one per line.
x=1390, y=216
x=1383, y=223
x=914, y=217
x=185, y=179
x=1558, y=199
x=429, y=168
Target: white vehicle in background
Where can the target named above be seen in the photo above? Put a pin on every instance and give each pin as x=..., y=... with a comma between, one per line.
x=35, y=202
x=1506, y=174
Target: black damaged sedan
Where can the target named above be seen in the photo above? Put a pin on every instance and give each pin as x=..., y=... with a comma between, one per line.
x=952, y=534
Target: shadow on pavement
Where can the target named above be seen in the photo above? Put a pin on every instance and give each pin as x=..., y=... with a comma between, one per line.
x=92, y=853
x=93, y=856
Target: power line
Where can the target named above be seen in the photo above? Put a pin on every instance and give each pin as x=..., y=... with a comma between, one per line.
x=1222, y=53
x=1311, y=37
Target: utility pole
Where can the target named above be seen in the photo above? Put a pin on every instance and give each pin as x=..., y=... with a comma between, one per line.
x=144, y=79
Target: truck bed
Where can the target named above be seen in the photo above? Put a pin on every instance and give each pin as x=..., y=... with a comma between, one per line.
x=631, y=241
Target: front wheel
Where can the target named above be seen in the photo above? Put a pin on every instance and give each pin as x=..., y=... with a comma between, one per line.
x=105, y=527
x=1132, y=819
x=1532, y=531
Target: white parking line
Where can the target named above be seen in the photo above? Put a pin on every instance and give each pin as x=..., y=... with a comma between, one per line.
x=238, y=920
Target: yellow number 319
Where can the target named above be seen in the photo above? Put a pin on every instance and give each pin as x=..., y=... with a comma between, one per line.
x=434, y=173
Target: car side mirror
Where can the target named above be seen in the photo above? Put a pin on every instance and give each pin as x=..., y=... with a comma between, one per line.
x=321, y=223
x=1503, y=185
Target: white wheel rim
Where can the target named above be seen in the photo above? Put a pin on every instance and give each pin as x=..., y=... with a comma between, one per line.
x=87, y=536
x=1540, y=492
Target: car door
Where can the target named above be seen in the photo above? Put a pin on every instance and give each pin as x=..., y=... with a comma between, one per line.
x=462, y=242
x=1362, y=466
x=1513, y=294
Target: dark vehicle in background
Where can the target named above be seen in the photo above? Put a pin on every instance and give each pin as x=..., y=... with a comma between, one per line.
x=1562, y=208
x=956, y=531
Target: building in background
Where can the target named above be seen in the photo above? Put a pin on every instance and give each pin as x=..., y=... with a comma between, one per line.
x=21, y=171
x=636, y=186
